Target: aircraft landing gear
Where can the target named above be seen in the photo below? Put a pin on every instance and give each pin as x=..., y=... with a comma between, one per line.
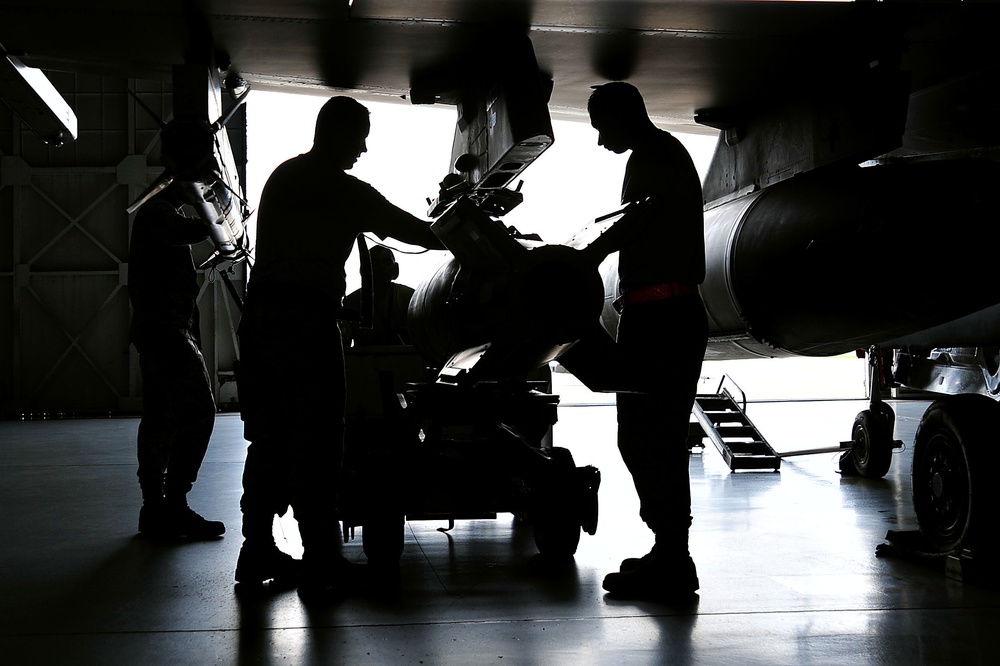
x=952, y=463
x=871, y=441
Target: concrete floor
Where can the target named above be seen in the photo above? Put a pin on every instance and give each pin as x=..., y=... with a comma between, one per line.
x=786, y=561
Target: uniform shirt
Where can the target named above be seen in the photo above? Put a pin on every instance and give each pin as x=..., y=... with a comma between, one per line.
x=162, y=279
x=310, y=214
x=671, y=244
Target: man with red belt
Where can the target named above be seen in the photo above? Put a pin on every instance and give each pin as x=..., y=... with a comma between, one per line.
x=662, y=332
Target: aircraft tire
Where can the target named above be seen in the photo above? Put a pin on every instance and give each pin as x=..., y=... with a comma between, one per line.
x=871, y=454
x=953, y=496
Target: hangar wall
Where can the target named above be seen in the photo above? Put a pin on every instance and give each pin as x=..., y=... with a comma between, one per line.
x=64, y=234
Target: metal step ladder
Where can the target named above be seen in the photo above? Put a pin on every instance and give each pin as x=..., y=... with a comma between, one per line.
x=725, y=422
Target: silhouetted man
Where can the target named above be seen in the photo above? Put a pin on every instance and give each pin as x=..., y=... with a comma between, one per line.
x=390, y=302
x=178, y=406
x=291, y=379
x=662, y=332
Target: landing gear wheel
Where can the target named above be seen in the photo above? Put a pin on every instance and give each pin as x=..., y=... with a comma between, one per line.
x=871, y=453
x=556, y=513
x=952, y=461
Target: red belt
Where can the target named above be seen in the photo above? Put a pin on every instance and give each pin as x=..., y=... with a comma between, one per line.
x=654, y=292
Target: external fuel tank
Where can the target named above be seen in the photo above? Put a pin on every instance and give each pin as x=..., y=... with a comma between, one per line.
x=841, y=259
x=821, y=264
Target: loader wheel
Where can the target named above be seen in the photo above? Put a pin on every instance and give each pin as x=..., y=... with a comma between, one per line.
x=556, y=512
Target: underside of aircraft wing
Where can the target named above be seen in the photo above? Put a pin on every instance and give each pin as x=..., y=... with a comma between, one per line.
x=790, y=87
x=715, y=58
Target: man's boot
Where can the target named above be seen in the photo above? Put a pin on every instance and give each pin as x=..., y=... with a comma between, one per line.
x=666, y=574
x=327, y=575
x=151, y=513
x=181, y=521
x=632, y=563
x=260, y=558
x=667, y=580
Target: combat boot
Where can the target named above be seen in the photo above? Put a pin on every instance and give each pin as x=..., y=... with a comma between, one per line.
x=179, y=521
x=632, y=563
x=151, y=519
x=331, y=579
x=151, y=512
x=655, y=577
x=327, y=576
x=259, y=564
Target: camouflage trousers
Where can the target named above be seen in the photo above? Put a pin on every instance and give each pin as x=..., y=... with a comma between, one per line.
x=178, y=416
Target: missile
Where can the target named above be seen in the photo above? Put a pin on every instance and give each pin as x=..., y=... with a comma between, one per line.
x=505, y=305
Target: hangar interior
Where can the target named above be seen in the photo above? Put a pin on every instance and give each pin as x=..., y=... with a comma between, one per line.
x=64, y=254
x=786, y=559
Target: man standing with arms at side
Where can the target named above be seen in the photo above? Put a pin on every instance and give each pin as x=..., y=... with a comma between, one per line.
x=178, y=406
x=291, y=378
x=662, y=335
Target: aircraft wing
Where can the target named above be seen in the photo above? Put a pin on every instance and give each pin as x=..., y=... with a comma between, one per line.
x=687, y=57
x=792, y=88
